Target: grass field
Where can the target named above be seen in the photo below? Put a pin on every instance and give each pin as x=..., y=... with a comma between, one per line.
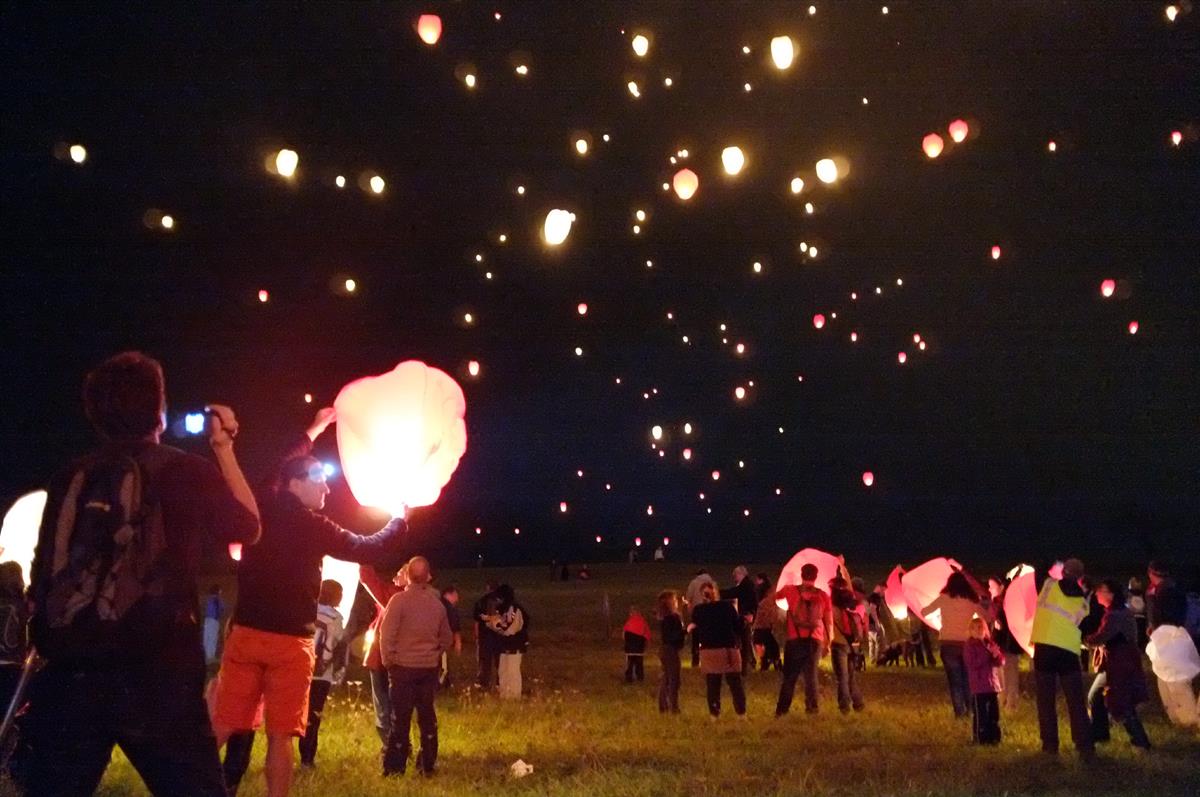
x=585, y=732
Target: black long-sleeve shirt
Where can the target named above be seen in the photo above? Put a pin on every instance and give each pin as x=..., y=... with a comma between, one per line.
x=745, y=595
x=718, y=625
x=671, y=632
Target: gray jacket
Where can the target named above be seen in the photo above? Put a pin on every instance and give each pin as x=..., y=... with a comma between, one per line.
x=415, y=630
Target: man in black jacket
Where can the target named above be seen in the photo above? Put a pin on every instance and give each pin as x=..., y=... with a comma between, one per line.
x=746, y=596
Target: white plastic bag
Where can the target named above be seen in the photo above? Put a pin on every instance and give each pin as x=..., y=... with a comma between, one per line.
x=1173, y=654
x=520, y=769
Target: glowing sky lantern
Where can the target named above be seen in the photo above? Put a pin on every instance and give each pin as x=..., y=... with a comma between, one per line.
x=235, y=551
x=685, y=184
x=819, y=321
x=733, y=160
x=377, y=184
x=1171, y=11
x=1107, y=288
x=827, y=569
x=634, y=89
x=827, y=170
x=958, y=131
x=932, y=144
x=893, y=594
x=429, y=28
x=641, y=45
x=401, y=435
x=1176, y=137
x=1020, y=605
x=656, y=432
x=922, y=585
x=581, y=308
x=1133, y=327
x=562, y=507
x=739, y=392
x=473, y=368
x=687, y=428
x=264, y=296
x=902, y=358
x=716, y=476
x=19, y=532
x=78, y=154
x=350, y=285
x=581, y=146
x=167, y=222
x=557, y=226
x=346, y=574
x=1052, y=146
x=783, y=52
x=868, y=478
x=995, y=253
x=797, y=185
x=687, y=454
x=286, y=161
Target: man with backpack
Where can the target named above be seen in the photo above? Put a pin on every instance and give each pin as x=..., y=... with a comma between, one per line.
x=809, y=631
x=116, y=611
x=269, y=652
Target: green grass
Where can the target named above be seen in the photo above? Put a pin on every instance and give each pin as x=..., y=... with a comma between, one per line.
x=585, y=732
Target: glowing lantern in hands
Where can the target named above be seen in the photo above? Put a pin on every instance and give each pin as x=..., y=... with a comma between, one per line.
x=958, y=131
x=923, y=584
x=893, y=594
x=557, y=226
x=827, y=568
x=685, y=183
x=346, y=574
x=933, y=145
x=783, y=52
x=401, y=435
x=429, y=28
x=1020, y=604
x=19, y=533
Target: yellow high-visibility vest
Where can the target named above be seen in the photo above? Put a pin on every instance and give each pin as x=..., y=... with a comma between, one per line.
x=1057, y=619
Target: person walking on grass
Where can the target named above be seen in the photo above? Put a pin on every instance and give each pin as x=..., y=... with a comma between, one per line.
x=636, y=636
x=983, y=659
x=958, y=602
x=330, y=629
x=414, y=634
x=671, y=636
x=1120, y=684
x=809, y=632
x=719, y=628
x=1057, y=639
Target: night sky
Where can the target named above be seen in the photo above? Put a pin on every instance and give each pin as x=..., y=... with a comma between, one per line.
x=1032, y=423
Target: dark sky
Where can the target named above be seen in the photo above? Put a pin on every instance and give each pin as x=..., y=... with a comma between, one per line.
x=1032, y=423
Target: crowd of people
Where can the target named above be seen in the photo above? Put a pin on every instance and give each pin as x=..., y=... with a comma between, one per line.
x=114, y=612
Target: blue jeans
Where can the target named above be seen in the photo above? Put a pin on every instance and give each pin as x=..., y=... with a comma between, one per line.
x=381, y=700
x=956, y=677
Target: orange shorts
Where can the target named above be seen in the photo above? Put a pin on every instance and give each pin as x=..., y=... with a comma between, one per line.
x=272, y=668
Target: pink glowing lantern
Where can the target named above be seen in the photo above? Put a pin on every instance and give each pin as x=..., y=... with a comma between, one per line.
x=958, y=131
x=1176, y=138
x=827, y=569
x=933, y=145
x=1133, y=327
x=995, y=253
x=429, y=28
x=401, y=435
x=902, y=358
x=685, y=183
x=923, y=584
x=868, y=478
x=1020, y=604
x=582, y=308
x=235, y=551
x=818, y=320
x=893, y=594
x=1108, y=288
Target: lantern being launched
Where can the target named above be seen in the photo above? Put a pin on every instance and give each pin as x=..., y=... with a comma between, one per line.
x=346, y=574
x=19, y=533
x=923, y=584
x=400, y=435
x=1020, y=604
x=685, y=183
x=893, y=594
x=827, y=569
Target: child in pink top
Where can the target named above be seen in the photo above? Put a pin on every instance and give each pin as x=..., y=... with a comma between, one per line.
x=982, y=656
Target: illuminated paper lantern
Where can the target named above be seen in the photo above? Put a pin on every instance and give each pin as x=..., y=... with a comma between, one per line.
x=797, y=185
x=641, y=45
x=827, y=170
x=932, y=144
x=582, y=308
x=656, y=432
x=868, y=478
x=818, y=321
x=1133, y=327
x=1173, y=655
x=429, y=28
x=286, y=161
x=923, y=584
x=739, y=392
x=264, y=296
x=995, y=253
x=235, y=551
x=1020, y=604
x=902, y=358
x=557, y=226
x=473, y=368
x=958, y=131
x=783, y=52
x=827, y=569
x=400, y=435
x=346, y=574
x=893, y=594
x=1176, y=137
x=1107, y=288
x=19, y=532
x=685, y=184
x=732, y=160
x=78, y=153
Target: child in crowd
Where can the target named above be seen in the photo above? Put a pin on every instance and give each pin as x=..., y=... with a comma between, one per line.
x=330, y=628
x=672, y=635
x=982, y=656
x=637, y=636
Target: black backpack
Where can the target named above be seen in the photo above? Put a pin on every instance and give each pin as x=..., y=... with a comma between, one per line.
x=102, y=560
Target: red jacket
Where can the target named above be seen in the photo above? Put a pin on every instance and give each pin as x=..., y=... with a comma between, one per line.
x=637, y=625
x=383, y=592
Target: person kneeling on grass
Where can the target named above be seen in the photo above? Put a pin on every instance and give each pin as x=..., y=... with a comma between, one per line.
x=718, y=626
x=982, y=657
x=414, y=633
x=636, y=638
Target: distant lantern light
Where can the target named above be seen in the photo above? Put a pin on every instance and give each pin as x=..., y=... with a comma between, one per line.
x=808, y=208
x=812, y=11
x=716, y=476
x=522, y=70
x=520, y=190
x=668, y=82
x=350, y=285
x=650, y=510
x=916, y=337
x=739, y=393
x=478, y=530
x=429, y=28
x=756, y=267
x=687, y=428
x=746, y=87
x=740, y=348
x=932, y=144
x=995, y=253
x=308, y=398
x=866, y=101
x=685, y=183
x=641, y=45
x=340, y=181
x=1171, y=11
x=1133, y=327
x=473, y=368
x=637, y=541
x=581, y=146
x=469, y=79
x=377, y=184
x=1176, y=137
x=78, y=153
x=562, y=507
x=656, y=432
x=605, y=138
x=797, y=185
x=517, y=531
x=812, y=253
x=745, y=49
x=640, y=215
x=733, y=160
x=666, y=540
x=818, y=321
x=958, y=131
x=921, y=345
x=468, y=319
x=1052, y=146
x=578, y=351
x=286, y=161
x=167, y=222
x=745, y=513
x=634, y=89
x=1108, y=287
x=868, y=478
x=687, y=454
x=264, y=296
x=853, y=296
x=827, y=170
x=582, y=308
x=883, y=10
x=235, y=551
x=557, y=226
x=854, y=337
x=902, y=358
x=599, y=538
x=783, y=52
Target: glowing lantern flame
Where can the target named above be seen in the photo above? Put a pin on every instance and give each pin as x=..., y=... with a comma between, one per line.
x=716, y=475
x=656, y=432
x=473, y=368
x=783, y=52
x=1171, y=11
x=377, y=184
x=732, y=159
x=1107, y=288
x=827, y=569
x=235, y=551
x=581, y=146
x=557, y=226
x=685, y=183
x=797, y=185
x=687, y=453
x=933, y=145
x=641, y=45
x=78, y=154
x=263, y=296
x=1133, y=327
x=286, y=161
x=429, y=28
x=19, y=532
x=739, y=393
x=562, y=507
x=401, y=435
x=902, y=358
x=582, y=308
x=868, y=478
x=995, y=253
x=827, y=170
x=1176, y=137
x=958, y=131
x=818, y=321
x=633, y=88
